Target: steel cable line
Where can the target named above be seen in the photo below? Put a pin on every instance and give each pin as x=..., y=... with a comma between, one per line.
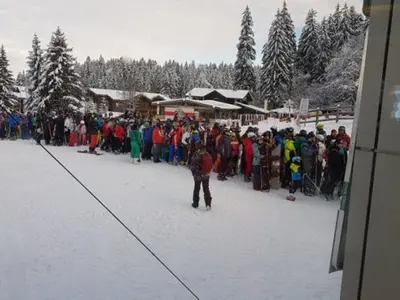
x=113, y=215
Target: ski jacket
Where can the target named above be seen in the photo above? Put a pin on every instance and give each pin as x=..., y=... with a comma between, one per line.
x=235, y=145
x=119, y=132
x=135, y=137
x=13, y=121
x=82, y=129
x=106, y=130
x=321, y=150
x=195, y=166
x=147, y=134
x=174, y=138
x=298, y=142
x=186, y=138
x=68, y=124
x=345, y=139
x=247, y=146
x=308, y=155
x=256, y=155
x=295, y=170
x=290, y=150
x=158, y=137
x=224, y=146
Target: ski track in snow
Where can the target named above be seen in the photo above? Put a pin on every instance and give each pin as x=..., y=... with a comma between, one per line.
x=57, y=242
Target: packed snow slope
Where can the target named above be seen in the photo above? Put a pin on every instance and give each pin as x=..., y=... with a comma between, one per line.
x=57, y=242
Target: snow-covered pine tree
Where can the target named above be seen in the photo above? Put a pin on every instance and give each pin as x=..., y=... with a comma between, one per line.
x=245, y=77
x=334, y=21
x=34, y=60
x=324, y=54
x=342, y=74
x=344, y=31
x=6, y=82
x=291, y=36
x=87, y=72
x=277, y=63
x=22, y=79
x=309, y=46
x=356, y=21
x=60, y=87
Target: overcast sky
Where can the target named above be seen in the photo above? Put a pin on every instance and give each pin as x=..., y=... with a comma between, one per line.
x=200, y=30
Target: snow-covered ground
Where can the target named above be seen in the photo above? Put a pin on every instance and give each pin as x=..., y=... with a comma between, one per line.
x=57, y=242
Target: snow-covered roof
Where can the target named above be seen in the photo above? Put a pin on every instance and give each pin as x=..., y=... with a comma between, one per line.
x=152, y=96
x=232, y=94
x=113, y=94
x=199, y=92
x=284, y=110
x=252, y=107
x=208, y=103
x=125, y=95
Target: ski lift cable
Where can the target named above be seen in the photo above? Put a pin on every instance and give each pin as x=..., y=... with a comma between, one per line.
x=113, y=215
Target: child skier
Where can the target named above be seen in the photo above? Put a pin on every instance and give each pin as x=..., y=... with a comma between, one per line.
x=296, y=178
x=201, y=166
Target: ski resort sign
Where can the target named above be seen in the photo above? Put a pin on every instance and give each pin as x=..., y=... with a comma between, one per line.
x=303, y=109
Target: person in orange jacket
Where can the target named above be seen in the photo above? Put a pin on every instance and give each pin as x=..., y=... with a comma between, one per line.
x=119, y=135
x=158, y=142
x=174, y=145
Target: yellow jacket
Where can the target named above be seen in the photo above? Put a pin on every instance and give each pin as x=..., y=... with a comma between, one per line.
x=289, y=147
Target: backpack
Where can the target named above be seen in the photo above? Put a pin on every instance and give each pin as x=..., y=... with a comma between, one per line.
x=206, y=163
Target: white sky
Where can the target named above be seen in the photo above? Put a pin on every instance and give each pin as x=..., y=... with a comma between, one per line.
x=204, y=31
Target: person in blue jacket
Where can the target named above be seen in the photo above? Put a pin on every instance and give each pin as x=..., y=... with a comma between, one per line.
x=14, y=121
x=147, y=134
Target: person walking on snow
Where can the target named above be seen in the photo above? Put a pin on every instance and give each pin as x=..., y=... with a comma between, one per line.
x=136, y=143
x=201, y=166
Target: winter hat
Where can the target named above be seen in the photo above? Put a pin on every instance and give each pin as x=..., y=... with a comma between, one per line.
x=82, y=122
x=251, y=134
x=310, y=135
x=320, y=137
x=320, y=126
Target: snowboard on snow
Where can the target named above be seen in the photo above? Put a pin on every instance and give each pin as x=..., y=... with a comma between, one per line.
x=88, y=152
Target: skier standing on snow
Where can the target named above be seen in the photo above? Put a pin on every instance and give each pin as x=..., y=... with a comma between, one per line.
x=136, y=143
x=201, y=166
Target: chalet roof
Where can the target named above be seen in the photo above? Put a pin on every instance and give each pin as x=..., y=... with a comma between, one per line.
x=125, y=95
x=113, y=94
x=208, y=103
x=252, y=107
x=199, y=92
x=152, y=96
x=231, y=94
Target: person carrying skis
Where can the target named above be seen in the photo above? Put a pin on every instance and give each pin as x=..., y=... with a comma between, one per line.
x=136, y=143
x=201, y=166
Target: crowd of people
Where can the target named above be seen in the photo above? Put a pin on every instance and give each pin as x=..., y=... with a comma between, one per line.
x=313, y=162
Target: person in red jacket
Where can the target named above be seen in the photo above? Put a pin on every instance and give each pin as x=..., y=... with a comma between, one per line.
x=248, y=155
x=106, y=136
x=158, y=142
x=344, y=137
x=119, y=135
